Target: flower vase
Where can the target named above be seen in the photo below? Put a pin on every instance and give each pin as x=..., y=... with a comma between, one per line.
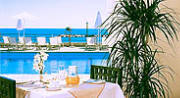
x=41, y=75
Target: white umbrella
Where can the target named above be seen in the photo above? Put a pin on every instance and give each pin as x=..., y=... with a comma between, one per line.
x=21, y=17
x=20, y=26
x=98, y=20
x=97, y=25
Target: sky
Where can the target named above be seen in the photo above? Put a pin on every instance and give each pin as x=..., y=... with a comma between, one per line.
x=53, y=13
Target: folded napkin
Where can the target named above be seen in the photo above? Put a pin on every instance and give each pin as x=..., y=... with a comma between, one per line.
x=88, y=90
x=20, y=93
x=25, y=83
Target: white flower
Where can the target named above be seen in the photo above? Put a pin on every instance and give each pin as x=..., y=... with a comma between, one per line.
x=37, y=56
x=44, y=55
x=35, y=66
x=39, y=61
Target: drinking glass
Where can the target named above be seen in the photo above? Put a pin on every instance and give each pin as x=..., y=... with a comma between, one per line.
x=62, y=72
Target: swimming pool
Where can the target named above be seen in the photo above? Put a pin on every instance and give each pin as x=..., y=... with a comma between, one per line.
x=22, y=62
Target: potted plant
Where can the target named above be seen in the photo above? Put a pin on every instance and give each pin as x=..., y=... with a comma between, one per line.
x=138, y=21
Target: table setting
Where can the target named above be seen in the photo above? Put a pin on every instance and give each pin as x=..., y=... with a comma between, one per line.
x=64, y=83
x=86, y=89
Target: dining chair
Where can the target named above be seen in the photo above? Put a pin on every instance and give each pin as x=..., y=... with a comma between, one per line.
x=109, y=74
x=7, y=88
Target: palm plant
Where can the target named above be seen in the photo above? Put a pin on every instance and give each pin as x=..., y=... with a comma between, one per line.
x=137, y=21
x=143, y=18
x=68, y=29
x=142, y=75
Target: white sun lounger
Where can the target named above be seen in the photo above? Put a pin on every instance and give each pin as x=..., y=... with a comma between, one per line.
x=13, y=43
x=53, y=43
x=21, y=40
x=21, y=43
x=12, y=40
x=91, y=42
x=41, y=42
x=59, y=39
x=28, y=43
x=6, y=42
x=104, y=44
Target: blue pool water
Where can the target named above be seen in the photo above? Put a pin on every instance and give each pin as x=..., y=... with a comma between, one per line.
x=49, y=32
x=22, y=63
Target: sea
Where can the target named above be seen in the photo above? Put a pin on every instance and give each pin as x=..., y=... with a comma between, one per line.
x=51, y=32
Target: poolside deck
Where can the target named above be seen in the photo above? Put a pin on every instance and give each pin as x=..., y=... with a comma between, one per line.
x=62, y=49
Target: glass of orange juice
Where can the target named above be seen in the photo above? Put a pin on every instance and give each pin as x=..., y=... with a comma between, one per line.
x=72, y=78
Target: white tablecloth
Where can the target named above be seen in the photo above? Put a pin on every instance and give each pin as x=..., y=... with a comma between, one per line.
x=110, y=90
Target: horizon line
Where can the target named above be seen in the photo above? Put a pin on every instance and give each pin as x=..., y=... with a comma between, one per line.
x=45, y=27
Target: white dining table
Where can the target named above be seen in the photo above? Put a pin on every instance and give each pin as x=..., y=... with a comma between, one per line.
x=111, y=90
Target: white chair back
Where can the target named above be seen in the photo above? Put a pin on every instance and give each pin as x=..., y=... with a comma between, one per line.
x=21, y=40
x=28, y=41
x=59, y=40
x=12, y=40
x=6, y=40
x=41, y=40
x=53, y=41
x=91, y=40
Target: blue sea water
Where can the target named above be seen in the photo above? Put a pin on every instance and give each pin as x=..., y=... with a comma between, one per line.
x=49, y=32
x=22, y=63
